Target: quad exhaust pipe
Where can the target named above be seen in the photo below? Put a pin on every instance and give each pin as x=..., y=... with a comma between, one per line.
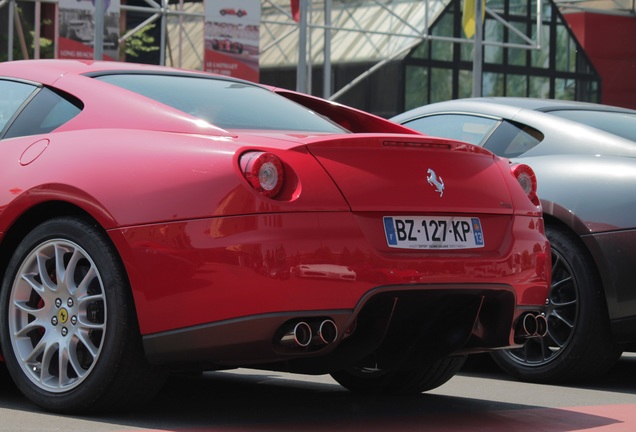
x=532, y=325
x=303, y=334
x=299, y=335
x=326, y=332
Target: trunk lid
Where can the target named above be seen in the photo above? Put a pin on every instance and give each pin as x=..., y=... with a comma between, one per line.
x=401, y=173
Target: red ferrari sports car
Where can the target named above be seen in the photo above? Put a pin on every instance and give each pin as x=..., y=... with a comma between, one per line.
x=156, y=220
x=229, y=11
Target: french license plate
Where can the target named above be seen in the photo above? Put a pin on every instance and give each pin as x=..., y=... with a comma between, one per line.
x=439, y=232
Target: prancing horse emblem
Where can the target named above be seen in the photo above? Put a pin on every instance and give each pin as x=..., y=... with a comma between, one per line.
x=434, y=181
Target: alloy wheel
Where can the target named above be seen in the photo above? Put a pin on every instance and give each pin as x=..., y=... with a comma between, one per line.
x=57, y=315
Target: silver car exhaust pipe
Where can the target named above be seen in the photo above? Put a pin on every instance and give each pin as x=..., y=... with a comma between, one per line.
x=299, y=335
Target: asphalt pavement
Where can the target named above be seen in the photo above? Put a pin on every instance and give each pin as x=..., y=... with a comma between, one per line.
x=480, y=398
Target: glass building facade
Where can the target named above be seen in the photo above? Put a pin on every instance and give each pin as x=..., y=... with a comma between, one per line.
x=439, y=70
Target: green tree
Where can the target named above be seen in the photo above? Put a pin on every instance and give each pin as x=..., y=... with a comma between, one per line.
x=141, y=42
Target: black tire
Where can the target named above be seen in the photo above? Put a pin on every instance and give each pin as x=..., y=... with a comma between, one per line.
x=68, y=326
x=579, y=344
x=368, y=379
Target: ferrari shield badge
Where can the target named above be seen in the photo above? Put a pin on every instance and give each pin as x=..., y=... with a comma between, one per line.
x=436, y=182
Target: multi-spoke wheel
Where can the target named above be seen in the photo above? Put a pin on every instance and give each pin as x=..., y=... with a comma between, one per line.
x=578, y=344
x=57, y=315
x=68, y=329
x=369, y=377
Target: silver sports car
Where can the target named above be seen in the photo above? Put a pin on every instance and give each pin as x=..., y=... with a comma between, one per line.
x=584, y=156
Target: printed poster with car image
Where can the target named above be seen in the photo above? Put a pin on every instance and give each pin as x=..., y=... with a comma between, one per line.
x=232, y=35
x=77, y=29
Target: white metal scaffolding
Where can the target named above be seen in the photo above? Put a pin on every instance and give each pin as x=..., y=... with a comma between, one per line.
x=329, y=31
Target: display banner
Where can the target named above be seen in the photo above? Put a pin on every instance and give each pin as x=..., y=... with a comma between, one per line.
x=232, y=35
x=77, y=29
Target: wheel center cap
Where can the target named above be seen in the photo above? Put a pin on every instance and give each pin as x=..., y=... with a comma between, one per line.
x=62, y=316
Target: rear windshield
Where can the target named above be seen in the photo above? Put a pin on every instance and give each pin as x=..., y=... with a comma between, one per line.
x=617, y=123
x=463, y=127
x=224, y=103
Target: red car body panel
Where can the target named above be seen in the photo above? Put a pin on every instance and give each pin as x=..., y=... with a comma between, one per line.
x=203, y=248
x=242, y=267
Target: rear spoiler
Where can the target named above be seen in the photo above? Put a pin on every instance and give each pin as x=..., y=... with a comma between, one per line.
x=352, y=119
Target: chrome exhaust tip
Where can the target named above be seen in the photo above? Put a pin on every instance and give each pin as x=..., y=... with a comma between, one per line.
x=529, y=325
x=299, y=335
x=327, y=332
x=542, y=325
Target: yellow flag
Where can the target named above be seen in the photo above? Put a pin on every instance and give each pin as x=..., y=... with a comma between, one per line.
x=468, y=16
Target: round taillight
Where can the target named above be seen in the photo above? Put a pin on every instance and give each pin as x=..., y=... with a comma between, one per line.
x=264, y=172
x=527, y=179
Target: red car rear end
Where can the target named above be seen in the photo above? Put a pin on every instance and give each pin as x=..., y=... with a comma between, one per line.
x=161, y=219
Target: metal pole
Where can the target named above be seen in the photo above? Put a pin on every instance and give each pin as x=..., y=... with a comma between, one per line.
x=326, y=73
x=10, y=38
x=540, y=23
x=37, y=30
x=301, y=70
x=180, y=51
x=164, y=31
x=478, y=56
x=310, y=50
x=98, y=40
x=56, y=30
x=22, y=39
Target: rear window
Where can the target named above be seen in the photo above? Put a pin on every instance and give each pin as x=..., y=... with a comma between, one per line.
x=512, y=139
x=462, y=127
x=224, y=103
x=617, y=123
